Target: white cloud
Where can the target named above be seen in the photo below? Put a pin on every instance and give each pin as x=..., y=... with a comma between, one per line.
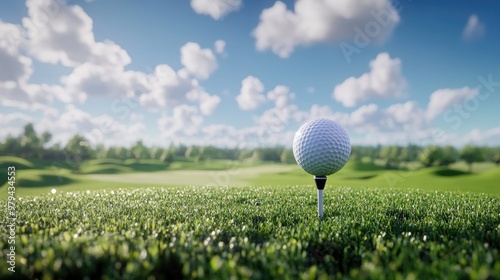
x=365, y=116
x=208, y=103
x=474, y=29
x=217, y=9
x=482, y=137
x=63, y=34
x=251, y=94
x=384, y=80
x=201, y=63
x=15, y=72
x=168, y=88
x=220, y=46
x=313, y=21
x=11, y=36
x=221, y=135
x=97, y=129
x=14, y=66
x=370, y=118
x=165, y=87
x=12, y=124
x=443, y=99
x=406, y=116
x=277, y=118
x=184, y=121
x=101, y=80
x=281, y=95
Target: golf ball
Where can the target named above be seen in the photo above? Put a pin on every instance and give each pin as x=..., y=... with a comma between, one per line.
x=321, y=147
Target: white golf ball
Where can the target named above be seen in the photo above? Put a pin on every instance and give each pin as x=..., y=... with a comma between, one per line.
x=321, y=147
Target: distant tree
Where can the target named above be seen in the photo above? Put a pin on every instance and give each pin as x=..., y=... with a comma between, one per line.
x=111, y=153
x=495, y=155
x=191, y=152
x=409, y=153
x=121, y=153
x=448, y=155
x=179, y=151
x=471, y=154
x=139, y=151
x=287, y=156
x=272, y=154
x=46, y=137
x=394, y=156
x=100, y=151
x=54, y=153
x=11, y=146
x=391, y=156
x=430, y=155
x=245, y=154
x=77, y=150
x=32, y=146
x=154, y=153
x=196, y=153
x=167, y=155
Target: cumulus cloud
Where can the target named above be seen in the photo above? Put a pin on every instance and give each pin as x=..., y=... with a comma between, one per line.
x=281, y=95
x=60, y=33
x=101, y=80
x=311, y=21
x=220, y=46
x=370, y=118
x=385, y=80
x=482, y=137
x=208, y=103
x=217, y=9
x=15, y=67
x=200, y=63
x=184, y=121
x=443, y=99
x=97, y=129
x=251, y=94
x=276, y=119
x=15, y=72
x=168, y=88
x=474, y=29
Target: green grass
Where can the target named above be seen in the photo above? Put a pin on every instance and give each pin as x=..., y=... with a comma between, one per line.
x=255, y=233
x=95, y=174
x=223, y=219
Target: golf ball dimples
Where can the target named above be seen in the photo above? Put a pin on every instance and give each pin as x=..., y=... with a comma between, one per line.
x=321, y=147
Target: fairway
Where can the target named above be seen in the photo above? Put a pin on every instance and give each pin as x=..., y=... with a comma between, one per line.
x=234, y=176
x=36, y=178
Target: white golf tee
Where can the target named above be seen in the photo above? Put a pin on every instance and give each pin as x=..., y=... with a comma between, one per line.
x=320, y=203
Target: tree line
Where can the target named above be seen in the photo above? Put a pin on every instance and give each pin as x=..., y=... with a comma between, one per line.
x=394, y=156
x=30, y=145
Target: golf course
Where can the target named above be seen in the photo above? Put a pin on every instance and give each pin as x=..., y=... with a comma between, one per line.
x=40, y=177
x=253, y=140
x=227, y=219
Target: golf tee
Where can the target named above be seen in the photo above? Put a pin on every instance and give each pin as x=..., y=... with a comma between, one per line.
x=320, y=185
x=320, y=203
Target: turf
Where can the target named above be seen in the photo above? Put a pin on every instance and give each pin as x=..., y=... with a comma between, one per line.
x=255, y=233
x=34, y=178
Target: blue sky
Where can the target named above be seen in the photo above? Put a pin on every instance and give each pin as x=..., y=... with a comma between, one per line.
x=248, y=73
